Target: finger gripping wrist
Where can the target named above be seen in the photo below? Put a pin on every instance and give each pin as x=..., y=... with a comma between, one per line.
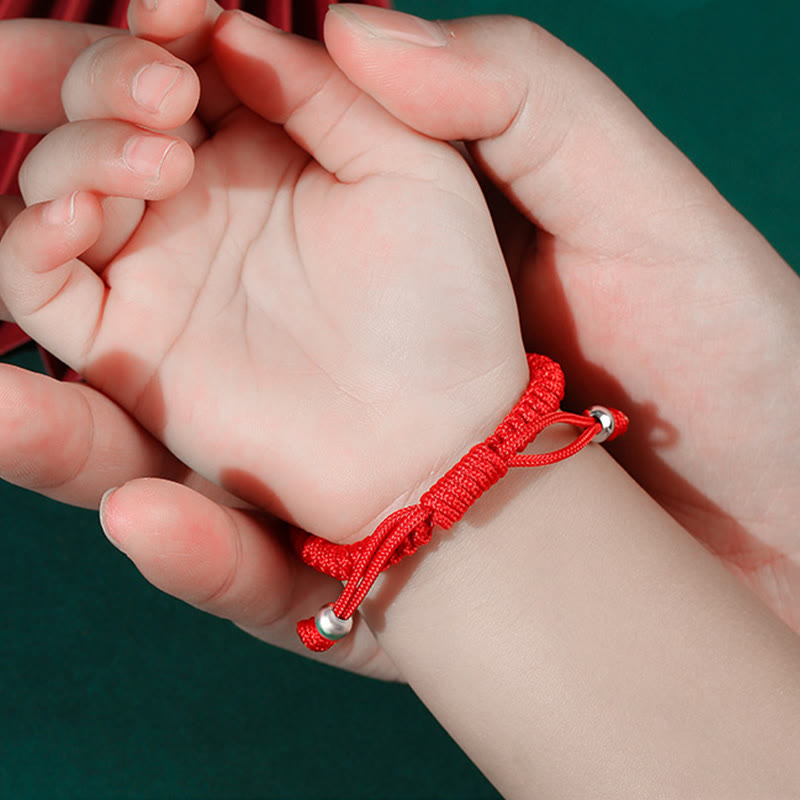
x=403, y=532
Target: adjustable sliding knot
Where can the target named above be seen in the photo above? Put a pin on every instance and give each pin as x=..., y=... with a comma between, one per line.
x=403, y=532
x=450, y=497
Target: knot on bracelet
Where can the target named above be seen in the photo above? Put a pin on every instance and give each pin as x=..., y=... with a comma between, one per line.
x=403, y=532
x=450, y=497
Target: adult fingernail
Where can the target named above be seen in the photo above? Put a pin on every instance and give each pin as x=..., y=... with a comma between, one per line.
x=384, y=24
x=61, y=211
x=144, y=155
x=152, y=84
x=104, y=523
x=256, y=22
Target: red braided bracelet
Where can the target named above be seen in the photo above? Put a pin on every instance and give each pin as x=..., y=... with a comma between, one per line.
x=401, y=533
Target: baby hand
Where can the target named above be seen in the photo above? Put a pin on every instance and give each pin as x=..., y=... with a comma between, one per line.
x=320, y=321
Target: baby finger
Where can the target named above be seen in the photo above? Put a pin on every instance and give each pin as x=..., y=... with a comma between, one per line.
x=125, y=78
x=109, y=158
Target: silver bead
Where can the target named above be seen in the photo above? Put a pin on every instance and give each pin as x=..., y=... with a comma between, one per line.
x=330, y=626
x=606, y=420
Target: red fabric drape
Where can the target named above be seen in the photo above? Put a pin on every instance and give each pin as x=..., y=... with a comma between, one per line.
x=301, y=16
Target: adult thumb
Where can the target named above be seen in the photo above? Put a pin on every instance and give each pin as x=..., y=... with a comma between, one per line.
x=564, y=143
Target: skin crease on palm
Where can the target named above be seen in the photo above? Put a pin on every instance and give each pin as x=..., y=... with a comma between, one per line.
x=671, y=263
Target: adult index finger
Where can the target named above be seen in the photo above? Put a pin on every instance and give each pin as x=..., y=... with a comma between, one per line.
x=37, y=53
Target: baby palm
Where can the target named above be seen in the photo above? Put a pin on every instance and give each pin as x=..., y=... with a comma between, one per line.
x=283, y=332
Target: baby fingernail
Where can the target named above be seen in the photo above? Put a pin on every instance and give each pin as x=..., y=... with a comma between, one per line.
x=149, y=5
x=385, y=24
x=152, y=84
x=144, y=155
x=61, y=211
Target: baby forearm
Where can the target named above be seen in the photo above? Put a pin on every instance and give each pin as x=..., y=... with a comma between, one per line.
x=578, y=643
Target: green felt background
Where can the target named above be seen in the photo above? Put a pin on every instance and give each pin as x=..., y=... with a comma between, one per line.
x=109, y=689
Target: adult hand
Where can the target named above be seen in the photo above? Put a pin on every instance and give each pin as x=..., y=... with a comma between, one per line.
x=615, y=662
x=630, y=269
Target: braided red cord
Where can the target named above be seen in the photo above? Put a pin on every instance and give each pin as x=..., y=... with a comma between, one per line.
x=446, y=502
